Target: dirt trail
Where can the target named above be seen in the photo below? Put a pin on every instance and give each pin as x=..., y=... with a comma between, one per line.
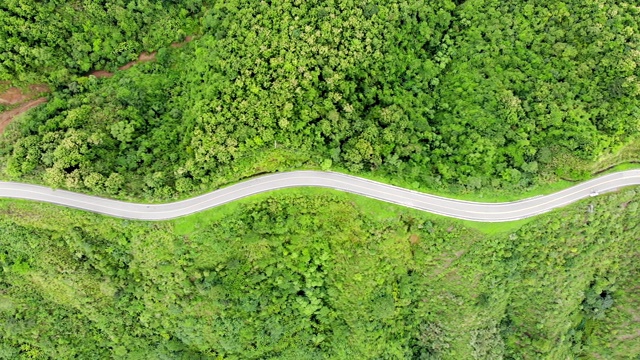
x=24, y=99
x=7, y=116
x=101, y=74
x=15, y=96
x=144, y=57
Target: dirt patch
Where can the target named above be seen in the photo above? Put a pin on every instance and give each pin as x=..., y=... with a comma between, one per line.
x=145, y=56
x=8, y=116
x=23, y=99
x=180, y=44
x=101, y=74
x=629, y=336
x=14, y=95
x=414, y=239
x=142, y=58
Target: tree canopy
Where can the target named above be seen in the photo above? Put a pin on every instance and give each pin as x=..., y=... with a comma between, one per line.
x=483, y=95
x=455, y=96
x=309, y=276
x=55, y=39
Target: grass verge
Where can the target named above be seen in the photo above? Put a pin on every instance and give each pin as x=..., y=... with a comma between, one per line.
x=378, y=209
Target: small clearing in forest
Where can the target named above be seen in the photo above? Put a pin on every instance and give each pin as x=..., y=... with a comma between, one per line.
x=8, y=116
x=144, y=57
x=14, y=95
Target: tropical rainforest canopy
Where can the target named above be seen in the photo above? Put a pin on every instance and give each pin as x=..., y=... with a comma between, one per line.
x=477, y=96
x=312, y=276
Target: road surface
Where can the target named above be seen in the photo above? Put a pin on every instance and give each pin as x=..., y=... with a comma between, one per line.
x=476, y=211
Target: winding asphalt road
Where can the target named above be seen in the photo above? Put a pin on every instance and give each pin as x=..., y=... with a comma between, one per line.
x=485, y=212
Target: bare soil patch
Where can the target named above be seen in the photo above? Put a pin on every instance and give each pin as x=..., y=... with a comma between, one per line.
x=629, y=336
x=147, y=57
x=8, y=116
x=14, y=95
x=144, y=57
x=179, y=44
x=101, y=74
x=414, y=239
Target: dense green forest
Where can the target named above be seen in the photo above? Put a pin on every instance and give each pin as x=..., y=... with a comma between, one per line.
x=485, y=95
x=456, y=96
x=310, y=275
x=52, y=40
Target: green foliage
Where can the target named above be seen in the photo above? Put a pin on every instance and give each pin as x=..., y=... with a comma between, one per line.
x=527, y=76
x=53, y=39
x=314, y=276
x=486, y=95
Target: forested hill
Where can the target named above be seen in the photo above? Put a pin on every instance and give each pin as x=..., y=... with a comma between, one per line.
x=463, y=97
x=483, y=96
x=325, y=276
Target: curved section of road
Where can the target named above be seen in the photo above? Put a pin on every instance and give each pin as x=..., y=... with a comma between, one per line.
x=476, y=211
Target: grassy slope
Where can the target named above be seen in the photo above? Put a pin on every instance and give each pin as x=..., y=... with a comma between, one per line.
x=395, y=282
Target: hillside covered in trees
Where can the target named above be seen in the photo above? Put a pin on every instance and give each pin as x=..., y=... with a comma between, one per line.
x=483, y=95
x=476, y=96
x=311, y=276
